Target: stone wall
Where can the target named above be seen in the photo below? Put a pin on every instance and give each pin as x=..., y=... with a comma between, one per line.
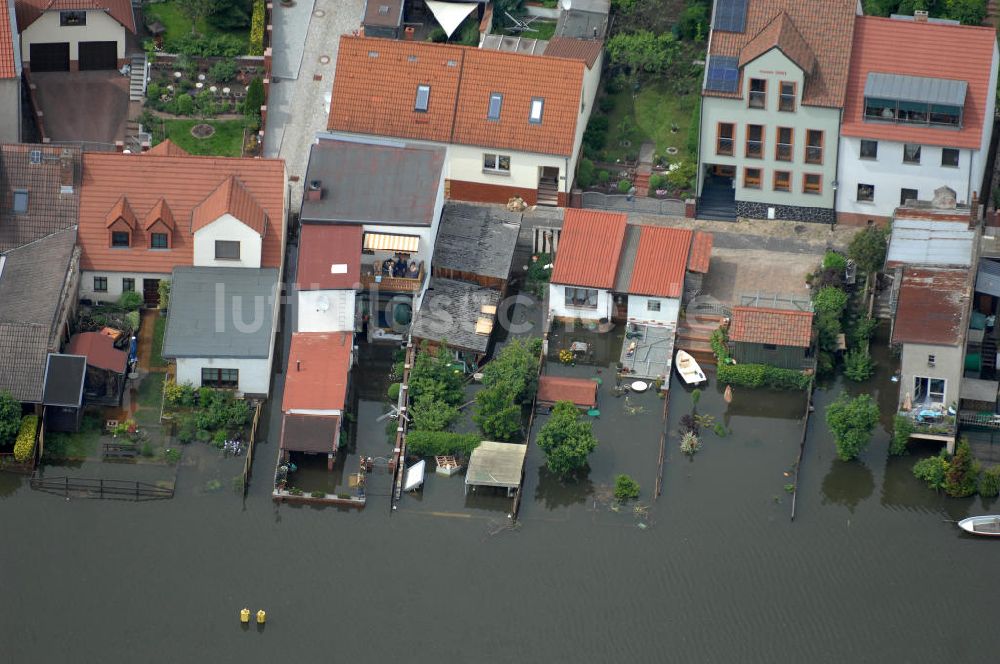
x=785, y=212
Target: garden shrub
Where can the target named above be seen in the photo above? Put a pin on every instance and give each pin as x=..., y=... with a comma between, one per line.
x=441, y=443
x=130, y=300
x=932, y=470
x=180, y=394
x=566, y=439
x=605, y=104
x=516, y=364
x=431, y=414
x=858, y=365
x=153, y=91
x=318, y=494
x=603, y=177
x=187, y=430
x=24, y=446
x=170, y=455
x=434, y=376
x=753, y=375
x=681, y=174
x=133, y=321
x=204, y=103
x=184, y=104
x=624, y=186
x=498, y=413
x=255, y=96
x=438, y=36
x=989, y=482
x=902, y=429
x=207, y=46
x=833, y=260
x=393, y=392
x=868, y=248
x=657, y=182
x=596, y=134
x=852, y=422
x=962, y=476
x=830, y=300
x=585, y=173
x=692, y=139
x=626, y=488
x=257, y=28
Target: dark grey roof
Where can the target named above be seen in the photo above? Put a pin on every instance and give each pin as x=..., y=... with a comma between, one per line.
x=33, y=276
x=64, y=377
x=626, y=263
x=385, y=182
x=23, y=347
x=201, y=321
x=583, y=17
x=48, y=209
x=476, y=238
x=449, y=312
x=916, y=88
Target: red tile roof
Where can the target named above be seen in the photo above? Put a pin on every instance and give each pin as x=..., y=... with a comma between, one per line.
x=184, y=183
x=232, y=198
x=660, y=262
x=161, y=213
x=318, y=368
x=780, y=327
x=781, y=34
x=586, y=50
x=376, y=85
x=100, y=351
x=28, y=11
x=8, y=67
x=168, y=148
x=121, y=211
x=701, y=252
x=582, y=392
x=589, y=248
x=323, y=246
x=929, y=50
x=825, y=27
x=932, y=306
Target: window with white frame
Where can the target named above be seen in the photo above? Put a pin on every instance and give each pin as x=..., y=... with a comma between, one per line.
x=537, y=105
x=496, y=163
x=928, y=390
x=652, y=305
x=581, y=298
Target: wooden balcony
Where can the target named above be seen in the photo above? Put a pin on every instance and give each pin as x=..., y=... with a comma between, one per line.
x=375, y=280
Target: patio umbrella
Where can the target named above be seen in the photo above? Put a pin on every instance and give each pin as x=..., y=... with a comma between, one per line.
x=907, y=402
x=728, y=395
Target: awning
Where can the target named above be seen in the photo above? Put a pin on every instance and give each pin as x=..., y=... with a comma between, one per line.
x=450, y=14
x=988, y=278
x=407, y=244
x=942, y=91
x=975, y=389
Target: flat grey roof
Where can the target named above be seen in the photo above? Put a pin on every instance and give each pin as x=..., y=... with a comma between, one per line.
x=384, y=182
x=477, y=239
x=626, y=263
x=582, y=23
x=653, y=355
x=449, y=312
x=927, y=242
x=975, y=389
x=64, y=378
x=916, y=88
x=201, y=320
x=496, y=464
x=514, y=44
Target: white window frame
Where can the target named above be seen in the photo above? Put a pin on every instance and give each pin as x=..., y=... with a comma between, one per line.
x=492, y=163
x=652, y=305
x=579, y=298
x=536, y=111
x=931, y=395
x=423, y=98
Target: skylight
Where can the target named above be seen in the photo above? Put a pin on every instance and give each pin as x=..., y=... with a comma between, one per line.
x=496, y=100
x=20, y=201
x=423, y=98
x=535, y=116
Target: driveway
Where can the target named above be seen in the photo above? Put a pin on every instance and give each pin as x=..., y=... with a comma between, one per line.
x=83, y=106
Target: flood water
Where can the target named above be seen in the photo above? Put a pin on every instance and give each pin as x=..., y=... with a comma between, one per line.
x=713, y=571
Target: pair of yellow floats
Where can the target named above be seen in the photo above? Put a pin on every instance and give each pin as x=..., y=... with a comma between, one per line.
x=245, y=616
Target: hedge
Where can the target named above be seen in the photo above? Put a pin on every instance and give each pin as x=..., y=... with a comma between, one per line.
x=754, y=375
x=24, y=448
x=257, y=29
x=441, y=443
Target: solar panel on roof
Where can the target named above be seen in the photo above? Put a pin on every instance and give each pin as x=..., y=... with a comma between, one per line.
x=730, y=15
x=723, y=73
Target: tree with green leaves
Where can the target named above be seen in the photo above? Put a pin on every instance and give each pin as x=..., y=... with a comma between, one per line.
x=868, y=248
x=433, y=375
x=962, y=476
x=431, y=414
x=852, y=422
x=626, y=488
x=516, y=364
x=642, y=51
x=567, y=440
x=10, y=417
x=196, y=11
x=498, y=413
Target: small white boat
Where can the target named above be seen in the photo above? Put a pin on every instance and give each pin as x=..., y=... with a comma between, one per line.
x=981, y=525
x=688, y=369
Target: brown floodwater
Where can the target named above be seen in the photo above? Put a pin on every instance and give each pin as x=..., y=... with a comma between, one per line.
x=712, y=571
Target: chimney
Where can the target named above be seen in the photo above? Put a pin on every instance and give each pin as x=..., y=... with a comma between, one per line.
x=298, y=365
x=920, y=16
x=67, y=176
x=314, y=190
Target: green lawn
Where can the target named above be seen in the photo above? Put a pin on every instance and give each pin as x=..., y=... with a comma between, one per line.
x=151, y=392
x=227, y=141
x=648, y=117
x=177, y=25
x=159, y=326
x=75, y=446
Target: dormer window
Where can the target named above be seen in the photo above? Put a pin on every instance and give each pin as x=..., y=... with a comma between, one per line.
x=20, y=201
x=423, y=98
x=159, y=241
x=120, y=239
x=914, y=100
x=72, y=18
x=537, y=104
x=496, y=101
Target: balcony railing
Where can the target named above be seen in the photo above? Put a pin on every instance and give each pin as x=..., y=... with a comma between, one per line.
x=372, y=278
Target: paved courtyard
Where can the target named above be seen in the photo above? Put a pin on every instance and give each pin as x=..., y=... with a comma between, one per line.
x=736, y=272
x=83, y=106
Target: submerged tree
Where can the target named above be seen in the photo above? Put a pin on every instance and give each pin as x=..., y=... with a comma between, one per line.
x=567, y=440
x=852, y=422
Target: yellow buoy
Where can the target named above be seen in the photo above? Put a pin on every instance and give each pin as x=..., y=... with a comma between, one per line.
x=245, y=615
x=261, y=617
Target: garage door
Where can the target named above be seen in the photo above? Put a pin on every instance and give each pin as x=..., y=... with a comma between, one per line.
x=50, y=57
x=98, y=55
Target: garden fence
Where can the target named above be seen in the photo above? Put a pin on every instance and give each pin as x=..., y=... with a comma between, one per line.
x=666, y=206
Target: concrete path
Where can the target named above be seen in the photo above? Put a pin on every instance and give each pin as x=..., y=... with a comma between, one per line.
x=290, y=26
x=298, y=107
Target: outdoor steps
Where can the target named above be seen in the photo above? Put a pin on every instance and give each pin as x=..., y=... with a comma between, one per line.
x=548, y=193
x=716, y=206
x=137, y=80
x=695, y=337
x=700, y=331
x=642, y=180
x=701, y=351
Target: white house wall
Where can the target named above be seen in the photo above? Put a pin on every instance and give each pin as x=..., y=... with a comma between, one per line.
x=591, y=83
x=949, y=364
x=465, y=163
x=558, y=308
x=638, y=310
x=46, y=29
x=254, y=374
x=114, y=283
x=227, y=227
x=339, y=316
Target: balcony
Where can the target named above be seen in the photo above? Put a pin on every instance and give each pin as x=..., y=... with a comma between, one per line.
x=375, y=277
x=932, y=423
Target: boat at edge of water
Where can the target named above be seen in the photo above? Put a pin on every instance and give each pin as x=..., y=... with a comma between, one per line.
x=688, y=369
x=988, y=526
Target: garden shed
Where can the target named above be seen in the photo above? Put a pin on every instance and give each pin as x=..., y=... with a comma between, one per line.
x=776, y=337
x=63, y=391
x=106, y=367
x=497, y=465
x=581, y=392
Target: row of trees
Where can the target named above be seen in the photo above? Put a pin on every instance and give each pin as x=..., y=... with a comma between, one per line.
x=968, y=12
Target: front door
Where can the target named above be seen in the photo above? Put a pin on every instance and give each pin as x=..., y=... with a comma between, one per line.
x=151, y=292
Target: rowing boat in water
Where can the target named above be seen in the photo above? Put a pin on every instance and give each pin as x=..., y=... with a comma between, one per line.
x=688, y=369
x=981, y=525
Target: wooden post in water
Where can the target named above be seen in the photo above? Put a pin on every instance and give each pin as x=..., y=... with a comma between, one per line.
x=663, y=446
x=802, y=445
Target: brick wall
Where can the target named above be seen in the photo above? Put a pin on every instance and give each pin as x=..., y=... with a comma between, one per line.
x=856, y=219
x=478, y=192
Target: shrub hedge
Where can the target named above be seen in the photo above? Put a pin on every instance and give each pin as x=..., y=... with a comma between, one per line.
x=754, y=375
x=440, y=443
x=24, y=447
x=257, y=28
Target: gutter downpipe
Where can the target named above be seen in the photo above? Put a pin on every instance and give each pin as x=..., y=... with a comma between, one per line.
x=836, y=172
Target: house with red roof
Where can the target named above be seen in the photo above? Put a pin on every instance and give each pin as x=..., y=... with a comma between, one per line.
x=74, y=35
x=327, y=278
x=918, y=114
x=513, y=122
x=773, y=336
x=10, y=77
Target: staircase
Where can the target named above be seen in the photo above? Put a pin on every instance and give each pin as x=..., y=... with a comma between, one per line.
x=718, y=200
x=137, y=82
x=695, y=337
x=989, y=355
x=642, y=180
x=548, y=191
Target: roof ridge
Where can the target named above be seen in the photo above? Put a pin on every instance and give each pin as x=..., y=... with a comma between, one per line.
x=40, y=239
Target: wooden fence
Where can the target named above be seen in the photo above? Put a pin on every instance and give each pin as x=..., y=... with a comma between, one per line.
x=101, y=488
x=663, y=445
x=248, y=463
x=399, y=450
x=802, y=445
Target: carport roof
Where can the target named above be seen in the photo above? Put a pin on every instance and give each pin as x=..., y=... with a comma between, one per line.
x=28, y=11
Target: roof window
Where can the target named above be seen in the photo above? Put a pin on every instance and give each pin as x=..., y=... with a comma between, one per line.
x=535, y=117
x=372, y=54
x=20, y=201
x=35, y=156
x=496, y=101
x=423, y=98
x=383, y=10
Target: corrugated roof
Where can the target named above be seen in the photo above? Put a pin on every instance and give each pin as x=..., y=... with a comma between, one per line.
x=661, y=262
x=373, y=183
x=581, y=392
x=701, y=252
x=826, y=30
x=200, y=324
x=28, y=11
x=496, y=464
x=626, y=264
x=477, y=239
x=64, y=379
x=589, y=248
x=932, y=306
x=916, y=88
x=184, y=182
x=10, y=65
x=781, y=327
x=929, y=51
x=976, y=389
x=451, y=310
x=319, y=364
x=329, y=257
x=100, y=351
x=928, y=242
x=585, y=50
x=988, y=277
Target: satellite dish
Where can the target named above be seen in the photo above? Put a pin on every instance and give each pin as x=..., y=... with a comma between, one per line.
x=566, y=4
x=322, y=304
